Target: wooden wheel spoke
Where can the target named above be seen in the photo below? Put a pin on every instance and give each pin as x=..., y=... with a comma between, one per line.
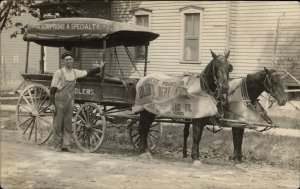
x=80, y=130
x=151, y=140
x=81, y=119
x=82, y=135
x=25, y=107
x=24, y=114
x=28, y=126
x=25, y=121
x=134, y=141
x=42, y=119
x=135, y=135
x=39, y=96
x=84, y=114
x=43, y=102
x=154, y=125
x=93, y=138
x=98, y=130
x=96, y=135
x=31, y=129
x=96, y=120
x=151, y=134
x=42, y=129
x=46, y=114
x=80, y=124
x=35, y=130
x=97, y=125
x=42, y=109
x=31, y=98
x=85, y=137
x=154, y=130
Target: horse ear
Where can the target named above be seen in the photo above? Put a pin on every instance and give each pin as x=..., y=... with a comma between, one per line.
x=213, y=54
x=227, y=54
x=230, y=68
x=267, y=71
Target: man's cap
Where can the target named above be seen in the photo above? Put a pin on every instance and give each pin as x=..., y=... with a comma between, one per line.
x=66, y=54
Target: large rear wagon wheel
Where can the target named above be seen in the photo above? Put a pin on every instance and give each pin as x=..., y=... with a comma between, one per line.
x=153, y=135
x=89, y=127
x=33, y=116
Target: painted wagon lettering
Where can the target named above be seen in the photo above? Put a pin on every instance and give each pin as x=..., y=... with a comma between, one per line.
x=163, y=91
x=177, y=107
x=84, y=91
x=188, y=107
x=145, y=90
x=52, y=27
x=165, y=83
x=81, y=26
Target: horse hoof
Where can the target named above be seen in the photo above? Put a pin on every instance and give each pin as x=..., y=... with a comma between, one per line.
x=149, y=155
x=144, y=155
x=197, y=163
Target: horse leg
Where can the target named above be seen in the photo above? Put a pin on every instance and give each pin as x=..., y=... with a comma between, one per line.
x=146, y=120
x=237, y=136
x=186, y=132
x=198, y=125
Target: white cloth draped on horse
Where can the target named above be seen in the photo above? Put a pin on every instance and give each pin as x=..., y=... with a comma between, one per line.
x=240, y=107
x=177, y=97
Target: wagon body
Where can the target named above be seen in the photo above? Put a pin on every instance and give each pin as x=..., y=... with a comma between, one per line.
x=98, y=97
x=110, y=92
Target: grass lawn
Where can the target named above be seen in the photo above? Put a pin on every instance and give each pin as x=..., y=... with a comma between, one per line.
x=257, y=147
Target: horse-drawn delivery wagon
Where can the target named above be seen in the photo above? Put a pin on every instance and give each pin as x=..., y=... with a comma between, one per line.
x=105, y=98
x=93, y=95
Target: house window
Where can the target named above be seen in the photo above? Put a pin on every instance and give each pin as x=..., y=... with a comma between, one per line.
x=142, y=20
x=76, y=53
x=191, y=37
x=191, y=34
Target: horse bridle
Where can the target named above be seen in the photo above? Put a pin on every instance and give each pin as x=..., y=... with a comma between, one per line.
x=268, y=85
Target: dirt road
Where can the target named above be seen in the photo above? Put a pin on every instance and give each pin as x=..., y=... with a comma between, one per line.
x=26, y=165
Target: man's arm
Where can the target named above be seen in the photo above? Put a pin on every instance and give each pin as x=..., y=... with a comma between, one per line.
x=91, y=72
x=52, y=95
x=94, y=71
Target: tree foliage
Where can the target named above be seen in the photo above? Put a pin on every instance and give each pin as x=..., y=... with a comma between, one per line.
x=14, y=8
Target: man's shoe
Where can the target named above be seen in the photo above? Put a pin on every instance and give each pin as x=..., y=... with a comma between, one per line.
x=55, y=149
x=68, y=149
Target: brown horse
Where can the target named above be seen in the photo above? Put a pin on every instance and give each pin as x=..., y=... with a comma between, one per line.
x=214, y=78
x=243, y=98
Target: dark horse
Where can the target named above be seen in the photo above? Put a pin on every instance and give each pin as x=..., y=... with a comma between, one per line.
x=215, y=78
x=252, y=87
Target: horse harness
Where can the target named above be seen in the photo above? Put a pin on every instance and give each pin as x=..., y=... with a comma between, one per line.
x=256, y=106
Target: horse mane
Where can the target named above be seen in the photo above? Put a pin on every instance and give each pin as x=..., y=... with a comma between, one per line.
x=254, y=83
x=207, y=81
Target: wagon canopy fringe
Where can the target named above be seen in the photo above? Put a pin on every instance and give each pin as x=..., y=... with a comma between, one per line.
x=179, y=97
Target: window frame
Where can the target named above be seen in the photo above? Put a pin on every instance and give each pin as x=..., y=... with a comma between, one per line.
x=141, y=12
x=190, y=10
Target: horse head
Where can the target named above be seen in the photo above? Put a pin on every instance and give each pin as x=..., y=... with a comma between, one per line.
x=220, y=70
x=274, y=86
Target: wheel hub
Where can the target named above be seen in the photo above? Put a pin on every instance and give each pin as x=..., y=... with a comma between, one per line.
x=35, y=113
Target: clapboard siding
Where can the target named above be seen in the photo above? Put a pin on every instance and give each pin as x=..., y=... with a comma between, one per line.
x=165, y=51
x=13, y=56
x=253, y=34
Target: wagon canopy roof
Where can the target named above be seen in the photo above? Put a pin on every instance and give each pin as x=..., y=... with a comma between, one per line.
x=87, y=33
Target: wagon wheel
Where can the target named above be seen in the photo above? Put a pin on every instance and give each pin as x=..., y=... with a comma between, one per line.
x=153, y=136
x=34, y=118
x=89, y=127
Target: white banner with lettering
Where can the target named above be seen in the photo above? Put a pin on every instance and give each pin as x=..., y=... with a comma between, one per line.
x=178, y=97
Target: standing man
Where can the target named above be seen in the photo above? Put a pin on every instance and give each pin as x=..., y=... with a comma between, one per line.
x=62, y=100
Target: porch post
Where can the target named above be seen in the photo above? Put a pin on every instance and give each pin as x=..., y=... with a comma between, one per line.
x=146, y=59
x=27, y=57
